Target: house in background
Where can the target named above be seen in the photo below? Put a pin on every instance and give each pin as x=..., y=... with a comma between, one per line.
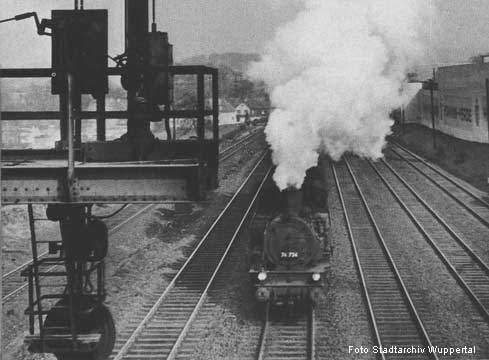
x=250, y=110
x=243, y=113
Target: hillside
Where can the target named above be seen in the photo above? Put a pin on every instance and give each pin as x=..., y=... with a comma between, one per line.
x=238, y=62
x=233, y=82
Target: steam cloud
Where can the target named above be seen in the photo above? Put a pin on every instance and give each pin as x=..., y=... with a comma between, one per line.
x=335, y=73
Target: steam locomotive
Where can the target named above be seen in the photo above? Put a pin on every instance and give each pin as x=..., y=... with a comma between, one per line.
x=290, y=249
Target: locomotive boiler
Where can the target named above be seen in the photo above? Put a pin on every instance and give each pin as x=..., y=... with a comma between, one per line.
x=290, y=247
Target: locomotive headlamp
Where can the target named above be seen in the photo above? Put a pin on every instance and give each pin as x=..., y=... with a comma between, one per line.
x=262, y=276
x=316, y=277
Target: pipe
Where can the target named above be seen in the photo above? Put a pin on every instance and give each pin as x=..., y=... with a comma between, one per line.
x=70, y=79
x=136, y=30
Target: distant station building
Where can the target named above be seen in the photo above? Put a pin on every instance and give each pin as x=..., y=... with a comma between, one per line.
x=460, y=103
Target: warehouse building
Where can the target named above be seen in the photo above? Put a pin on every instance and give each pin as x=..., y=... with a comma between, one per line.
x=460, y=104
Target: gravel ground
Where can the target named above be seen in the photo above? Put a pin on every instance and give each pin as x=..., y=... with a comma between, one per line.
x=229, y=325
x=145, y=255
x=342, y=316
x=465, y=159
x=16, y=248
x=464, y=223
x=447, y=312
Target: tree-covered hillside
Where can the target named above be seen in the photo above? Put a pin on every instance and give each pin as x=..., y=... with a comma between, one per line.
x=234, y=85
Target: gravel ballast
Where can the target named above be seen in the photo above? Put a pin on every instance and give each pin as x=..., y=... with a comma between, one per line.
x=465, y=224
x=145, y=254
x=446, y=311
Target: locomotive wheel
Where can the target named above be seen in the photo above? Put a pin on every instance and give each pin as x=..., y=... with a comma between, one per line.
x=97, y=321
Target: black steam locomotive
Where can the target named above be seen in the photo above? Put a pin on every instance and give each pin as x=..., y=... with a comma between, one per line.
x=290, y=247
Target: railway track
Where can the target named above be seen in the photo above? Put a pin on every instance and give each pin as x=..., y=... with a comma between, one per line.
x=238, y=145
x=395, y=320
x=468, y=269
x=459, y=192
x=13, y=283
x=286, y=337
x=159, y=329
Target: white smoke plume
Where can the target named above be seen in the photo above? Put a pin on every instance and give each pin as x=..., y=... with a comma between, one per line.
x=335, y=73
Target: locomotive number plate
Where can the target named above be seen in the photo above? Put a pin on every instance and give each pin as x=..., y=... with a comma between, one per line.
x=289, y=255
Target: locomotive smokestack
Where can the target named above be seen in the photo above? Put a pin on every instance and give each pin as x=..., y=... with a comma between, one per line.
x=292, y=202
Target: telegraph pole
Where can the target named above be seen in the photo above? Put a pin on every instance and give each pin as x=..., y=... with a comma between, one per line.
x=433, y=117
x=403, y=119
x=431, y=85
x=432, y=89
x=1, y=242
x=487, y=105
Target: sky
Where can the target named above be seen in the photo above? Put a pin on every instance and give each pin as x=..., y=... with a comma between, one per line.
x=460, y=29
x=195, y=27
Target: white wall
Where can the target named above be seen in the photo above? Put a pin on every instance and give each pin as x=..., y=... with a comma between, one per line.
x=460, y=103
x=227, y=118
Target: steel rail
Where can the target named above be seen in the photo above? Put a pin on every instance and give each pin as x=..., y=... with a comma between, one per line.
x=458, y=277
x=390, y=260
x=20, y=267
x=173, y=352
x=438, y=217
x=291, y=337
x=312, y=333
x=473, y=212
x=233, y=149
x=16, y=271
x=419, y=323
x=357, y=260
x=132, y=339
x=260, y=355
x=445, y=176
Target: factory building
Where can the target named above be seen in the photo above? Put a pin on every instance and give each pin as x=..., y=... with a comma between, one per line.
x=460, y=103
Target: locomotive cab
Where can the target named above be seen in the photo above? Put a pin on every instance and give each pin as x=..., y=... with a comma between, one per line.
x=290, y=247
